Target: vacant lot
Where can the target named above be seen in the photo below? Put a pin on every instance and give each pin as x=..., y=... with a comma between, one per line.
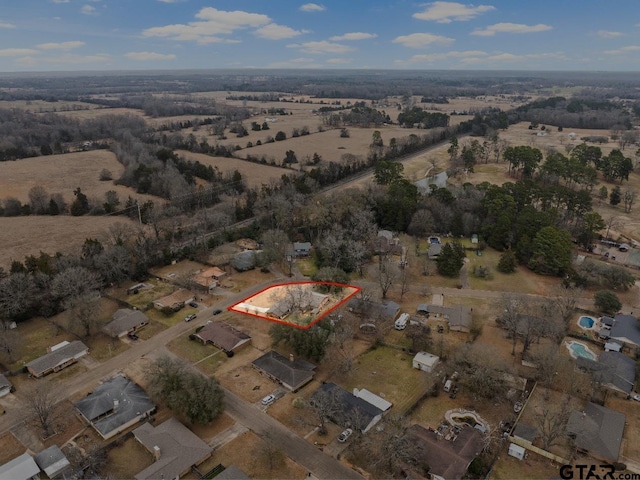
x=253, y=173
x=21, y=236
x=41, y=106
x=10, y=448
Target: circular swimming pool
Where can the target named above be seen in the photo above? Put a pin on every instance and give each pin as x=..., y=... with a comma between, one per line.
x=586, y=322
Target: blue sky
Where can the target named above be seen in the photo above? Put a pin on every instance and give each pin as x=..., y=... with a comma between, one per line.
x=46, y=35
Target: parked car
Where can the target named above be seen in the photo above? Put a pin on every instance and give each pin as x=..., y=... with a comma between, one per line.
x=268, y=400
x=193, y=304
x=217, y=312
x=636, y=398
x=132, y=336
x=345, y=435
x=188, y=318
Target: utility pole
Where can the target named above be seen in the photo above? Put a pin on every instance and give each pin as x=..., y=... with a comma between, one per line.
x=139, y=214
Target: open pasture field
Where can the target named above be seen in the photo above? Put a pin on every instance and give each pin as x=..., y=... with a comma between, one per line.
x=328, y=144
x=98, y=111
x=42, y=106
x=22, y=236
x=63, y=174
x=255, y=174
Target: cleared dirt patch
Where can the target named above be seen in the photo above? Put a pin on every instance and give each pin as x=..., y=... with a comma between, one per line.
x=10, y=448
x=127, y=459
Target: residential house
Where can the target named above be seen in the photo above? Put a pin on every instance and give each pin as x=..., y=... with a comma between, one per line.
x=209, y=278
x=5, y=386
x=597, y=431
x=125, y=321
x=23, y=467
x=175, y=448
x=626, y=329
x=448, y=459
x=301, y=249
x=350, y=411
x=232, y=473
x=175, y=301
x=115, y=405
x=291, y=373
x=372, y=398
x=388, y=310
x=223, y=336
x=59, y=357
x=425, y=361
x=305, y=301
x=244, y=261
x=458, y=317
x=525, y=432
x=54, y=463
x=613, y=370
x=387, y=242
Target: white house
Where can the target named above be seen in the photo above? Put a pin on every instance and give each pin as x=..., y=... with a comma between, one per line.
x=516, y=451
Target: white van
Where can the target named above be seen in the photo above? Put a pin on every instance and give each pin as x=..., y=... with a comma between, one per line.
x=401, y=322
x=447, y=385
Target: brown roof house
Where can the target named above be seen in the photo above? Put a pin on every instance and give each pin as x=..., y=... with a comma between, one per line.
x=223, y=336
x=598, y=431
x=115, y=405
x=209, y=278
x=60, y=356
x=125, y=321
x=448, y=459
x=291, y=373
x=176, y=449
x=174, y=301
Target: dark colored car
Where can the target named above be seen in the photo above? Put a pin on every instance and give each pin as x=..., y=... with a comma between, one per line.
x=217, y=312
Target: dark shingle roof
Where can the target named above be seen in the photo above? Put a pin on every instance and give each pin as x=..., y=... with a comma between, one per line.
x=626, y=329
x=57, y=357
x=613, y=369
x=292, y=373
x=52, y=461
x=232, y=473
x=525, y=431
x=99, y=407
x=373, y=310
x=350, y=406
x=598, y=430
x=4, y=383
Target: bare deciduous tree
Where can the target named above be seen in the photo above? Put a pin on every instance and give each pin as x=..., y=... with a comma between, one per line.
x=551, y=420
x=325, y=405
x=40, y=404
x=84, y=311
x=10, y=341
x=387, y=274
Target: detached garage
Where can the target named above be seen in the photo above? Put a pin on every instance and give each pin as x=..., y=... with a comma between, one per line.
x=425, y=361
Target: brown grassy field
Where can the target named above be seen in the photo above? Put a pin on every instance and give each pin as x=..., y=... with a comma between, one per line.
x=41, y=106
x=21, y=236
x=98, y=111
x=254, y=174
x=63, y=174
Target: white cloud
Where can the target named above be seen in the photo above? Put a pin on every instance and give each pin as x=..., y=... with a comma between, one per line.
x=60, y=46
x=608, y=34
x=145, y=56
x=447, y=12
x=323, y=47
x=6, y=25
x=273, y=31
x=68, y=59
x=623, y=50
x=354, y=36
x=421, y=40
x=339, y=61
x=312, y=7
x=433, y=57
x=88, y=10
x=504, y=57
x=211, y=23
x=491, y=30
x=300, y=62
x=16, y=52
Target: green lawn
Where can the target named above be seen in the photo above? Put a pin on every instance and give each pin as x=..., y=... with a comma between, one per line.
x=102, y=347
x=388, y=371
x=307, y=267
x=206, y=357
x=36, y=335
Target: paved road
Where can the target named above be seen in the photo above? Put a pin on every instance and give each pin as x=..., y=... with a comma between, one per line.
x=298, y=449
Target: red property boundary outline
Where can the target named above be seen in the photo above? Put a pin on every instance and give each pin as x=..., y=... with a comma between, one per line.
x=357, y=289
